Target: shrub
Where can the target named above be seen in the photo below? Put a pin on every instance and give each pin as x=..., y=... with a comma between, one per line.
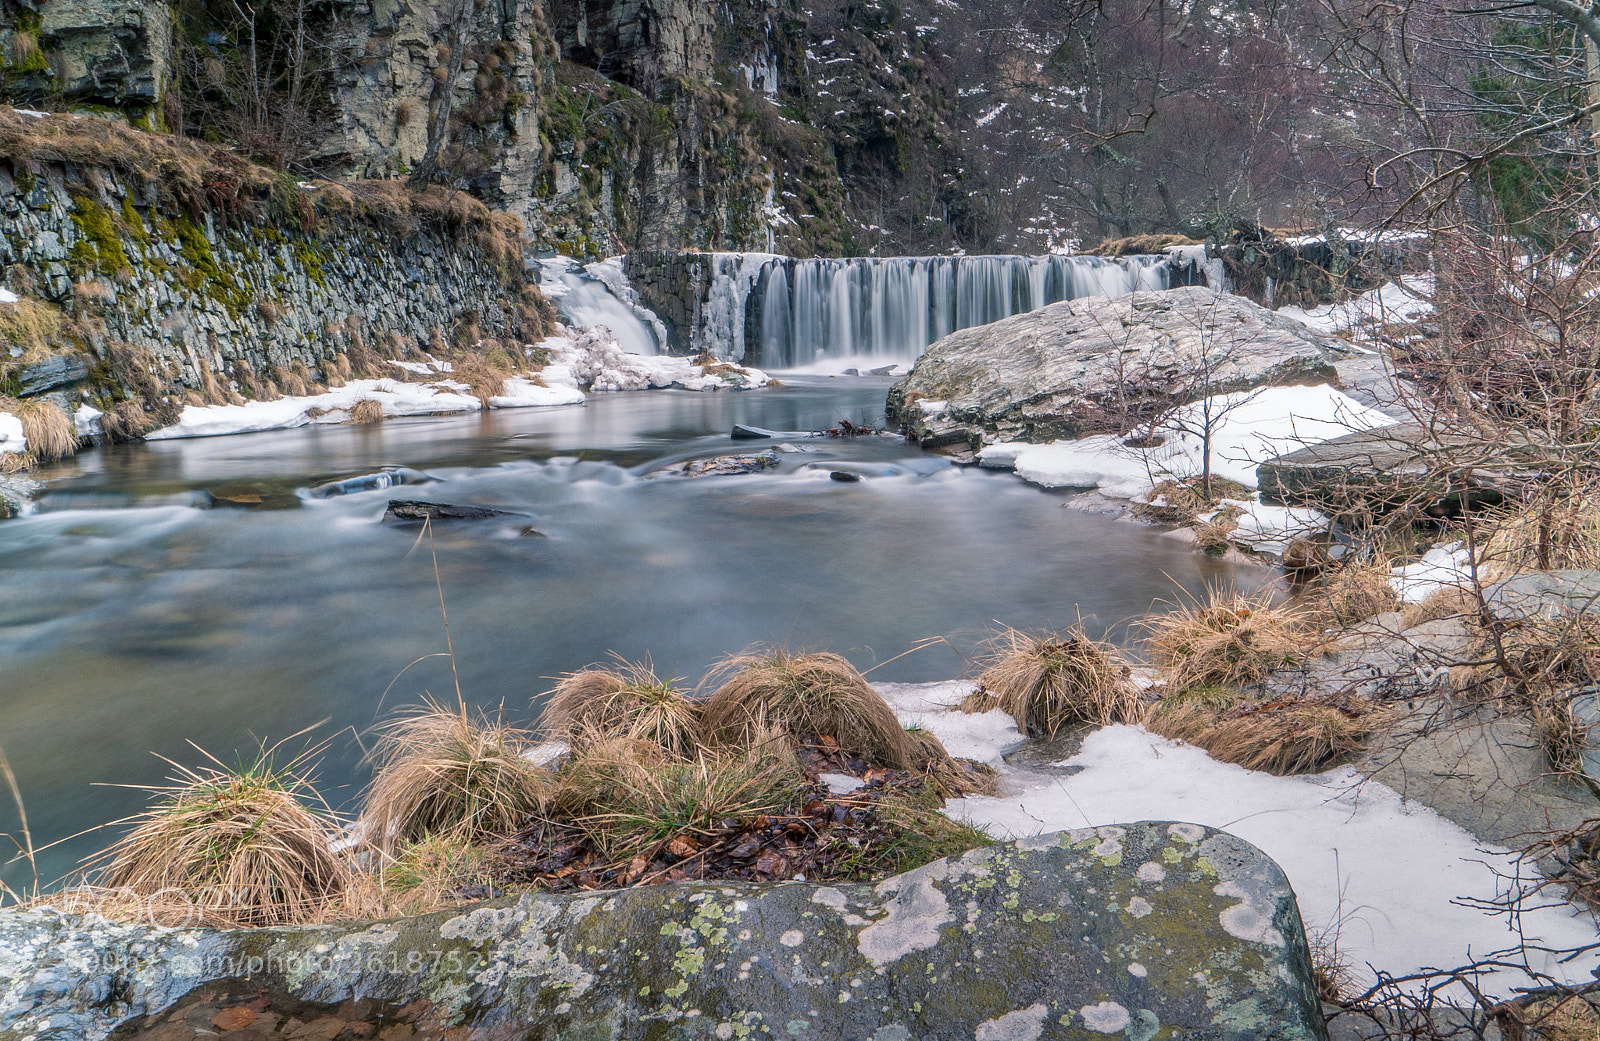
x=450, y=774
x=1230, y=640
x=804, y=696
x=1547, y=534
x=1050, y=681
x=239, y=845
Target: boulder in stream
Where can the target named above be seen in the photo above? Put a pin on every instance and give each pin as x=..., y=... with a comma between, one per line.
x=1137, y=931
x=1084, y=366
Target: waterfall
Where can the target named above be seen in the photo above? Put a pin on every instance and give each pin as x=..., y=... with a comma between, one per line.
x=780, y=312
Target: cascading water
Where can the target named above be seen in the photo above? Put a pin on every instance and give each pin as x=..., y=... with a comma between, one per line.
x=599, y=295
x=784, y=313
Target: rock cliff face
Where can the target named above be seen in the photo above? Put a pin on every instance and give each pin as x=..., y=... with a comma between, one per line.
x=604, y=124
x=114, y=53
x=1145, y=930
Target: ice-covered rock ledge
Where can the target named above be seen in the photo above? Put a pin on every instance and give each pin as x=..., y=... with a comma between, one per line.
x=1137, y=930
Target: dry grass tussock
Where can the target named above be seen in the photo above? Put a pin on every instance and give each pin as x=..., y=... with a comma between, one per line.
x=1543, y=535
x=126, y=421
x=49, y=431
x=804, y=696
x=451, y=773
x=1230, y=640
x=948, y=777
x=1292, y=737
x=1184, y=715
x=32, y=325
x=366, y=411
x=631, y=804
x=485, y=375
x=241, y=846
x=1533, y=660
x=1136, y=244
x=1050, y=681
x=626, y=700
x=1445, y=602
x=1355, y=592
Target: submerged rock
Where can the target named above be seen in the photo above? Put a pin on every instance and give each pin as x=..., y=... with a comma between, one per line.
x=1141, y=931
x=1085, y=366
x=252, y=495
x=417, y=510
x=389, y=478
x=723, y=465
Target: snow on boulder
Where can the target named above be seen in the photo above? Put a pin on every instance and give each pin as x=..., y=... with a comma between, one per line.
x=1246, y=428
x=1086, y=366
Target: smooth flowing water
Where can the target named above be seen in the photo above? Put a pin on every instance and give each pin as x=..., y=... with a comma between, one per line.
x=132, y=622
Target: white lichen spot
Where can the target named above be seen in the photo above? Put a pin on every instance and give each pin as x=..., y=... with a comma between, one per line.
x=724, y=1031
x=1139, y=907
x=1022, y=1025
x=744, y=934
x=844, y=996
x=828, y=896
x=792, y=938
x=1108, y=848
x=1190, y=833
x=915, y=916
x=1246, y=920
x=1138, y=970
x=1108, y=1017
x=1151, y=872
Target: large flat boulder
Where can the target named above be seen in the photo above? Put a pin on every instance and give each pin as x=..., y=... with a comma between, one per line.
x=1138, y=931
x=1086, y=366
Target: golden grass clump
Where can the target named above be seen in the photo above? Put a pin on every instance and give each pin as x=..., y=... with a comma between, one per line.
x=1357, y=591
x=641, y=808
x=1230, y=640
x=366, y=411
x=627, y=700
x=1292, y=737
x=447, y=772
x=804, y=696
x=1050, y=681
x=484, y=376
x=948, y=777
x=1184, y=715
x=32, y=325
x=1445, y=602
x=126, y=421
x=239, y=846
x=1544, y=535
x=49, y=431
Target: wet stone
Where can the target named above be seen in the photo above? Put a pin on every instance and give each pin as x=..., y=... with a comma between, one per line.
x=1142, y=930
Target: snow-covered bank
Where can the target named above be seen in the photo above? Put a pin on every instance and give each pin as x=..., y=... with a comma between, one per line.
x=1400, y=887
x=1246, y=429
x=1393, y=303
x=590, y=361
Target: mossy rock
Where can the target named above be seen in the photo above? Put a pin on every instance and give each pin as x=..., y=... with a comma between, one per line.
x=1147, y=931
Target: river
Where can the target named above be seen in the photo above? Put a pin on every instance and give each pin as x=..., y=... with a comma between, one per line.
x=133, y=622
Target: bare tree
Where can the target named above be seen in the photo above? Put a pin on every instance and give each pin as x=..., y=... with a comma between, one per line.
x=441, y=100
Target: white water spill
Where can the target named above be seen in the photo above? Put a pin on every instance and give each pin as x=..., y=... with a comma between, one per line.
x=598, y=294
x=784, y=313
x=132, y=620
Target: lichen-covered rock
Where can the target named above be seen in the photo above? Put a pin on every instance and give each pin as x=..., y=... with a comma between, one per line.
x=1145, y=930
x=1094, y=364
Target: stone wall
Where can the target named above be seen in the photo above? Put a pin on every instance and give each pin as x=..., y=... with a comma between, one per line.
x=158, y=304
x=675, y=286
